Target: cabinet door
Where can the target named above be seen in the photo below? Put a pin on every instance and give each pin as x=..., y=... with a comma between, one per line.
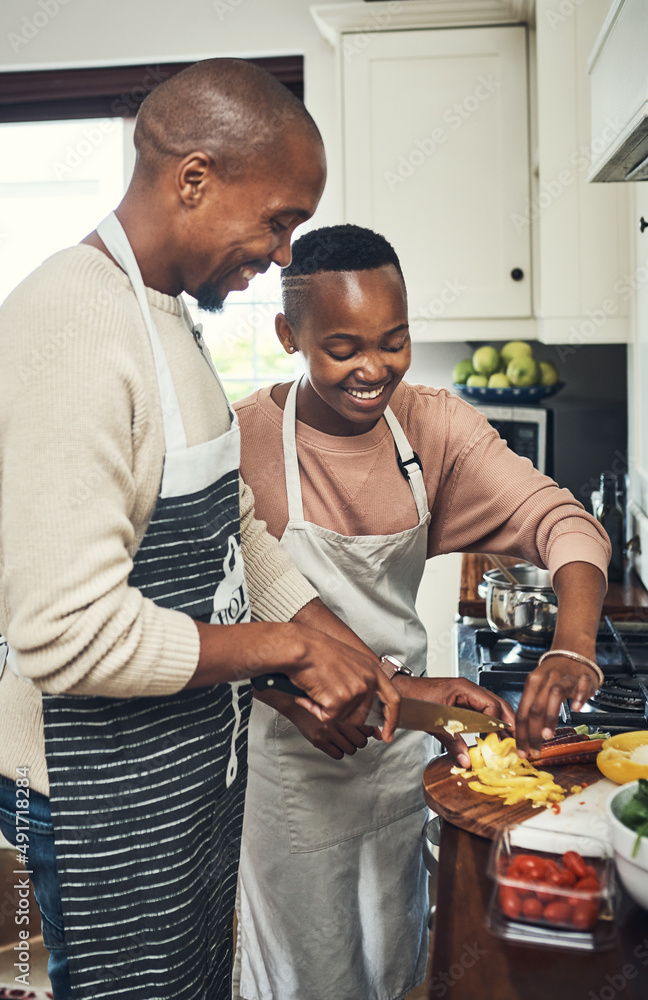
x=436, y=159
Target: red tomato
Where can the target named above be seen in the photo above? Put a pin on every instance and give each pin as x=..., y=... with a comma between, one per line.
x=562, y=877
x=588, y=884
x=509, y=901
x=557, y=913
x=532, y=908
x=584, y=914
x=551, y=866
x=591, y=870
x=548, y=897
x=573, y=861
x=524, y=887
x=529, y=865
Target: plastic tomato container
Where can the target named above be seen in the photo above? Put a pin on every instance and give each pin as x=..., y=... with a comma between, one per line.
x=552, y=888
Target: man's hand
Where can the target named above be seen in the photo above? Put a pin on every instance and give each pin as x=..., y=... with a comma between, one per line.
x=455, y=691
x=546, y=688
x=339, y=678
x=340, y=682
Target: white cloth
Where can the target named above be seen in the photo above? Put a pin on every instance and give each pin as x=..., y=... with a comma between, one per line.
x=333, y=891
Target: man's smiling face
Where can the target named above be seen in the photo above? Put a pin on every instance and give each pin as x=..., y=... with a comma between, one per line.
x=243, y=226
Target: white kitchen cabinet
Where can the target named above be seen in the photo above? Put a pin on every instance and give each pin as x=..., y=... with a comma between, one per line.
x=436, y=159
x=465, y=215
x=582, y=282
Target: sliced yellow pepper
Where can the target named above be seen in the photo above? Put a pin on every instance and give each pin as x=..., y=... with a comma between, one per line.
x=623, y=758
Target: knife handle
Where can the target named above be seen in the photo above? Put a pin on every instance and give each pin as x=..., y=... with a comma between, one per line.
x=277, y=682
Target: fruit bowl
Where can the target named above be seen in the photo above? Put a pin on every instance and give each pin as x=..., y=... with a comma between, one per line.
x=514, y=395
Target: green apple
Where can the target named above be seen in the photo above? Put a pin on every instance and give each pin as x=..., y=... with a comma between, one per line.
x=516, y=349
x=485, y=360
x=477, y=380
x=498, y=381
x=523, y=371
x=462, y=370
x=548, y=373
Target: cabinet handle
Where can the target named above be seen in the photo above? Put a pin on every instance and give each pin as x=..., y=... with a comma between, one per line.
x=642, y=224
x=517, y=273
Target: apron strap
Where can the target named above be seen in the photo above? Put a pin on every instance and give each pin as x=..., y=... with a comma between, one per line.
x=115, y=239
x=291, y=462
x=196, y=330
x=409, y=463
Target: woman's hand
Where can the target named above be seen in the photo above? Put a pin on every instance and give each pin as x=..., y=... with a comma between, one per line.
x=546, y=688
x=334, y=739
x=455, y=691
x=580, y=588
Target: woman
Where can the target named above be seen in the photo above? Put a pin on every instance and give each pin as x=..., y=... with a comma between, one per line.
x=363, y=477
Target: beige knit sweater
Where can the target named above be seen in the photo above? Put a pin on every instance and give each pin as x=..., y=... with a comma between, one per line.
x=81, y=452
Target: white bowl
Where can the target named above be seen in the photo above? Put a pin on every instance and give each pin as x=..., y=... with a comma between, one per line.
x=633, y=872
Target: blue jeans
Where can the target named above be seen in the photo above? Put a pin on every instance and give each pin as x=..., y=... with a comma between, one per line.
x=41, y=858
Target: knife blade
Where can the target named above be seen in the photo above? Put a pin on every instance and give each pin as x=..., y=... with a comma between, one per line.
x=450, y=719
x=413, y=714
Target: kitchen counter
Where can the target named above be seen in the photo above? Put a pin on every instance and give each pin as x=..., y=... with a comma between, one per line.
x=627, y=601
x=469, y=962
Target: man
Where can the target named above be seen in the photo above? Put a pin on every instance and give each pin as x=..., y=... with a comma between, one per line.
x=123, y=598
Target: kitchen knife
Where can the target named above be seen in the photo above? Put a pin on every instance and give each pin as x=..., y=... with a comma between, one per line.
x=413, y=713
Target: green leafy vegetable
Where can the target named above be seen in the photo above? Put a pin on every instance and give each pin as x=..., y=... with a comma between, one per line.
x=584, y=731
x=635, y=813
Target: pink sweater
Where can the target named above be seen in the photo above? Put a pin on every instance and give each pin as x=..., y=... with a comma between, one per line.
x=483, y=497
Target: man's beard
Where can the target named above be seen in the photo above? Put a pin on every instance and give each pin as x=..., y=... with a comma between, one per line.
x=209, y=299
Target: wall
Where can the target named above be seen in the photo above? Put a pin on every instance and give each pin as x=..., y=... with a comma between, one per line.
x=49, y=34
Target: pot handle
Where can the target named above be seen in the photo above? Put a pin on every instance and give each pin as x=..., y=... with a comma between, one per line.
x=482, y=589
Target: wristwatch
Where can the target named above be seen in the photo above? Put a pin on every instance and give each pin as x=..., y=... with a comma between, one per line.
x=398, y=667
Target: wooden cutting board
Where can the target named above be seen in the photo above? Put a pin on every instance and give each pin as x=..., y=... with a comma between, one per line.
x=449, y=796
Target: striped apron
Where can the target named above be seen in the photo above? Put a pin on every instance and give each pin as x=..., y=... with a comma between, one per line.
x=147, y=793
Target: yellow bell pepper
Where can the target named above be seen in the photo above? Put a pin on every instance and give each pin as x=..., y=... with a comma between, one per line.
x=624, y=758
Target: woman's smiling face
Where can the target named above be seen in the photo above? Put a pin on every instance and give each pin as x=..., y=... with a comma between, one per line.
x=353, y=335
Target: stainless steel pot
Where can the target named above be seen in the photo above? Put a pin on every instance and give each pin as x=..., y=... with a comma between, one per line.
x=525, y=611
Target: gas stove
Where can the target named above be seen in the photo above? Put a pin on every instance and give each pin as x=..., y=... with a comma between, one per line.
x=502, y=666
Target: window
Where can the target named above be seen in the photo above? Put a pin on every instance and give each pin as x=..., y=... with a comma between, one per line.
x=66, y=156
x=242, y=338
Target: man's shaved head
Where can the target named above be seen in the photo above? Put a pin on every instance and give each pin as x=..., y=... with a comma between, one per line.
x=230, y=109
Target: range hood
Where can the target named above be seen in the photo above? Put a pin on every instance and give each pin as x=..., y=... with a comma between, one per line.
x=618, y=70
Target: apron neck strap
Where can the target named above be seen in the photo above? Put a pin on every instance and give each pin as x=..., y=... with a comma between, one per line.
x=291, y=463
x=196, y=329
x=410, y=464
x=112, y=233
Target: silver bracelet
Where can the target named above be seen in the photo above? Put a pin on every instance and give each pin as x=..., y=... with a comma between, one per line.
x=575, y=656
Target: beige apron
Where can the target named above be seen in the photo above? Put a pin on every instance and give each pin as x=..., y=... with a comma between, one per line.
x=333, y=893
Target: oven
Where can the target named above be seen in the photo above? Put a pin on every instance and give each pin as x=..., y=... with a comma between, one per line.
x=502, y=665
